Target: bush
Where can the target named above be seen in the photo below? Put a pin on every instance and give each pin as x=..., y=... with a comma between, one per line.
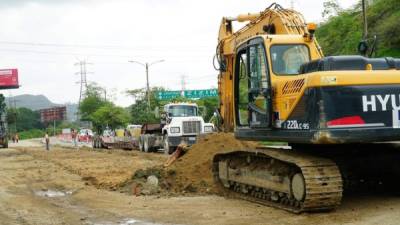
x=34, y=133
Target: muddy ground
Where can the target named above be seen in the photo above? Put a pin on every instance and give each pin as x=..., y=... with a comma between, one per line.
x=66, y=186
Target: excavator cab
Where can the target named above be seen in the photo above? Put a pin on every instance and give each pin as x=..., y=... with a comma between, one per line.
x=261, y=64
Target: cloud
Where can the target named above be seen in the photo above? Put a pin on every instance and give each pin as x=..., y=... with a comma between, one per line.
x=109, y=33
x=19, y=3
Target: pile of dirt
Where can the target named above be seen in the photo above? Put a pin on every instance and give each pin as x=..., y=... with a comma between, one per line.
x=193, y=171
x=108, y=169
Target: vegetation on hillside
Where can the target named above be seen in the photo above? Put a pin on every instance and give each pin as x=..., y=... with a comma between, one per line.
x=342, y=30
x=22, y=119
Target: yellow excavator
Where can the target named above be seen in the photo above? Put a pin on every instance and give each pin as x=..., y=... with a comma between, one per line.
x=276, y=85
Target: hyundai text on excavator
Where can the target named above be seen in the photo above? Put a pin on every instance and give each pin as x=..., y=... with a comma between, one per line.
x=276, y=85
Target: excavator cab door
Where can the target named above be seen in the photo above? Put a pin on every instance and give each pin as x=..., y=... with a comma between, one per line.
x=253, y=86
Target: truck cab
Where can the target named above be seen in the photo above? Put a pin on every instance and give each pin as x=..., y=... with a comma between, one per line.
x=182, y=125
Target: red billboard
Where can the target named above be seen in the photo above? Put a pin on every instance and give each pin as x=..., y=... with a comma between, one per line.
x=53, y=114
x=9, y=78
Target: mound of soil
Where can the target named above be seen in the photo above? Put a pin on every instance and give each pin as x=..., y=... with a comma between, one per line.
x=193, y=171
x=107, y=169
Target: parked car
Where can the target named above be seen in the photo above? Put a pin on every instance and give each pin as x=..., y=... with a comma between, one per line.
x=85, y=135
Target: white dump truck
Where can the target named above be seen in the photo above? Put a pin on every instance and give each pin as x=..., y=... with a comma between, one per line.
x=180, y=123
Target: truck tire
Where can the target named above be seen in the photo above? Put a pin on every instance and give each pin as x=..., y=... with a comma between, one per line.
x=94, y=143
x=141, y=148
x=167, y=148
x=146, y=146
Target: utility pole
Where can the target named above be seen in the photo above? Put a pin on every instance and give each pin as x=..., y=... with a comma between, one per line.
x=146, y=65
x=292, y=4
x=183, y=85
x=83, y=80
x=148, y=86
x=363, y=45
x=365, y=33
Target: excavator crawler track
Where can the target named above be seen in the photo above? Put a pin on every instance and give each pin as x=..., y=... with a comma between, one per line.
x=323, y=184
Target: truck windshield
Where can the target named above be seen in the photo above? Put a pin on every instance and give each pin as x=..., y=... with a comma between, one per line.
x=182, y=111
x=287, y=59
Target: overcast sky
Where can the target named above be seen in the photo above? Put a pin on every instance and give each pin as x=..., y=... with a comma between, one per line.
x=44, y=38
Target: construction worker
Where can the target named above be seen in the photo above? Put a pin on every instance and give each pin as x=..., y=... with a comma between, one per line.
x=182, y=148
x=47, y=140
x=73, y=136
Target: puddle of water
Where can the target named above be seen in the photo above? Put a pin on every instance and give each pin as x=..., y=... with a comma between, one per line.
x=52, y=193
x=126, y=222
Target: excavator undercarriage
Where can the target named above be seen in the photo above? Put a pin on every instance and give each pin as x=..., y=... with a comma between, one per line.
x=302, y=180
x=284, y=179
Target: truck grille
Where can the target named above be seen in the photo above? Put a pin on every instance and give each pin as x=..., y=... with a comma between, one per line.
x=191, y=127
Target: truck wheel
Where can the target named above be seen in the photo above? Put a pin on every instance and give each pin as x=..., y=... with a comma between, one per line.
x=167, y=148
x=146, y=146
x=141, y=143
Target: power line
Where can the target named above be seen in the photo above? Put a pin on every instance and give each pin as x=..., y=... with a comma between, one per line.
x=103, y=47
x=61, y=53
x=95, y=55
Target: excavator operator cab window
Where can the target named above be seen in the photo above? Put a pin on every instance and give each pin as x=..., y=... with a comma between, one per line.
x=252, y=87
x=287, y=59
x=243, y=88
x=258, y=99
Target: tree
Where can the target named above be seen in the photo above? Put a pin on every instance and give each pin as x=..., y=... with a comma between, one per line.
x=92, y=102
x=140, y=113
x=331, y=8
x=209, y=104
x=24, y=118
x=340, y=34
x=3, y=106
x=139, y=110
x=111, y=116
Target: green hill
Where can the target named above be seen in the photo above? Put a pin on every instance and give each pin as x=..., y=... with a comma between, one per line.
x=340, y=34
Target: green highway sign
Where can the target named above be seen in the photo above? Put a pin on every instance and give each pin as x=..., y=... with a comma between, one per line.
x=201, y=93
x=167, y=95
x=192, y=94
